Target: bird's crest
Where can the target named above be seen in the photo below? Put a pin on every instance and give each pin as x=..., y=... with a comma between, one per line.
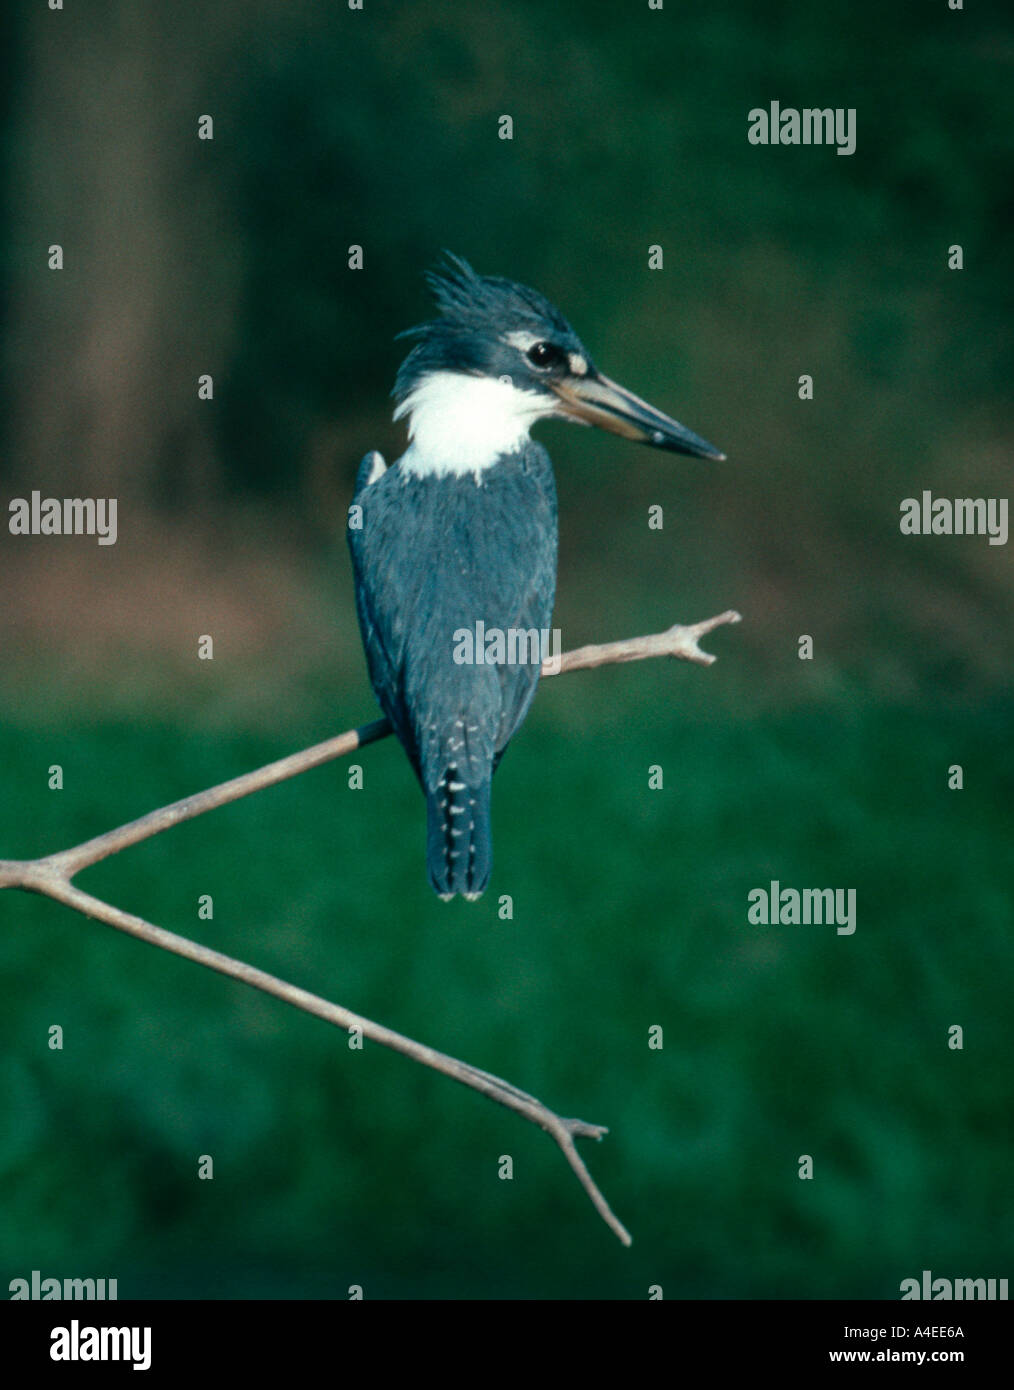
x=473, y=310
x=470, y=300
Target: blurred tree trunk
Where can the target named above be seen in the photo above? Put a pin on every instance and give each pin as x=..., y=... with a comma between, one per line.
x=103, y=356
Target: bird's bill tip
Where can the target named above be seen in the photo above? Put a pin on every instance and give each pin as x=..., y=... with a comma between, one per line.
x=595, y=400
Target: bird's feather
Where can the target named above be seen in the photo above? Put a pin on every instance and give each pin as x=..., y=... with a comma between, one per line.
x=432, y=559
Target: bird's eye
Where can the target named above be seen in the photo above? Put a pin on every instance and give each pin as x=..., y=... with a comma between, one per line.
x=544, y=355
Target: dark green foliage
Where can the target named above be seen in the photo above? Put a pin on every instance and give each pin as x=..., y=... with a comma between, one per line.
x=334, y=1167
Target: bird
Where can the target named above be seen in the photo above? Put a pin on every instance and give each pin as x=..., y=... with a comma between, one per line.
x=462, y=530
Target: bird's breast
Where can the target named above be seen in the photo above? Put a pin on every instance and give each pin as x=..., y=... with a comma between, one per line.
x=452, y=550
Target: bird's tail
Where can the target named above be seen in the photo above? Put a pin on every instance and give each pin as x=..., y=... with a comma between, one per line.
x=459, y=844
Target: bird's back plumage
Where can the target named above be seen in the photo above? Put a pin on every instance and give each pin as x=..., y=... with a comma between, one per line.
x=433, y=558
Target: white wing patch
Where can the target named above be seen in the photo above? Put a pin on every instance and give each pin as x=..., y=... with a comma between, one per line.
x=377, y=467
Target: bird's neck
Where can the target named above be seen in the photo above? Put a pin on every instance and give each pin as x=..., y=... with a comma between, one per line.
x=460, y=424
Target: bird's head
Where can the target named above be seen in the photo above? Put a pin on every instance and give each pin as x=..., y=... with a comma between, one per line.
x=511, y=355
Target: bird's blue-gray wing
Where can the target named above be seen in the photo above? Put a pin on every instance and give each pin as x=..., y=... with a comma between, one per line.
x=381, y=604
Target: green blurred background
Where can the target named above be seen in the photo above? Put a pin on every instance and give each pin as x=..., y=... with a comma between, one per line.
x=379, y=128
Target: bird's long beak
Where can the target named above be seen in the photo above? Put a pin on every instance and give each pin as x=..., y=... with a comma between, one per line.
x=595, y=400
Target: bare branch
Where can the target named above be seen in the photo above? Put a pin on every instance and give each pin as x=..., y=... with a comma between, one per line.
x=563, y=1131
x=52, y=877
x=71, y=861
x=676, y=641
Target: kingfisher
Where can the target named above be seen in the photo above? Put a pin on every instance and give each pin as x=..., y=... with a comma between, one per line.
x=462, y=531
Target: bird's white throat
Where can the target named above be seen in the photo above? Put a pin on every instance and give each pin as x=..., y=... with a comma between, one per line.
x=460, y=424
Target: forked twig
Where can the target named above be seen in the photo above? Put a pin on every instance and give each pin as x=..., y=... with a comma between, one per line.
x=52, y=877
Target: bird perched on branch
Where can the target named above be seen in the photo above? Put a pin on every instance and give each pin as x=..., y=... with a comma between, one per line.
x=462, y=531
